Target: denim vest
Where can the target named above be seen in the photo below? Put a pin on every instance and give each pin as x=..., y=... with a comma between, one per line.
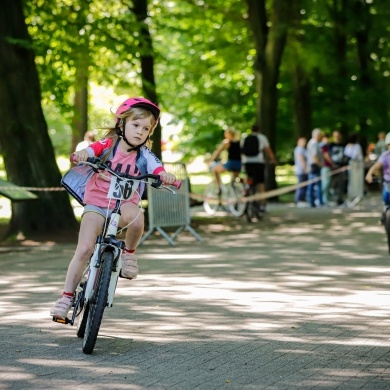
x=76, y=179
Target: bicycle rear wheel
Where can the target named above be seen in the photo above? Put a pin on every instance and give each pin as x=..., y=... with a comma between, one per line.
x=253, y=208
x=212, y=198
x=387, y=226
x=98, y=302
x=235, y=195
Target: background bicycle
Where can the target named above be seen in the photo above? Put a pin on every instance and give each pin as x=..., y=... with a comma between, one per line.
x=253, y=209
x=228, y=196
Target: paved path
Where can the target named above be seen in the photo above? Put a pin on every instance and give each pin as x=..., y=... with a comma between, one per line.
x=298, y=301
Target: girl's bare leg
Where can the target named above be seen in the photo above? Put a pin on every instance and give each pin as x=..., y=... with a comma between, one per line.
x=90, y=227
x=133, y=215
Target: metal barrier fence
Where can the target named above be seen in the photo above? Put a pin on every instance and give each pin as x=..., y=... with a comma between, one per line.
x=355, y=181
x=168, y=210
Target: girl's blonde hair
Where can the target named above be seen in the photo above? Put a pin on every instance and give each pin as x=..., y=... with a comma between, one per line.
x=132, y=113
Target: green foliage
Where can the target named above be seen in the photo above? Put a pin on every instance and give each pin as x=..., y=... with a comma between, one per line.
x=204, y=56
x=207, y=54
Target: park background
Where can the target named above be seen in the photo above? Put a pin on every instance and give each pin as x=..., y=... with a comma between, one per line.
x=288, y=66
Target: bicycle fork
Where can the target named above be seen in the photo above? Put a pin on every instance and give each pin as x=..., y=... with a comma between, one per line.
x=94, y=268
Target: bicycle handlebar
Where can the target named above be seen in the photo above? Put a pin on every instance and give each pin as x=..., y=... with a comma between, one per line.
x=97, y=163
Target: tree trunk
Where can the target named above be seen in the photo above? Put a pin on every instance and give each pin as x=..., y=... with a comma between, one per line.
x=80, y=107
x=24, y=141
x=140, y=8
x=301, y=89
x=270, y=43
x=338, y=12
x=362, y=14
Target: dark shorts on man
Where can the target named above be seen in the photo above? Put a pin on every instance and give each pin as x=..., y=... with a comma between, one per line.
x=256, y=172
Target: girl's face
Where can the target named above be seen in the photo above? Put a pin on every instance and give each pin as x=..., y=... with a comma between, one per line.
x=138, y=129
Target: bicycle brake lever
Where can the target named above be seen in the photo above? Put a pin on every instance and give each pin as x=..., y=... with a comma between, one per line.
x=169, y=189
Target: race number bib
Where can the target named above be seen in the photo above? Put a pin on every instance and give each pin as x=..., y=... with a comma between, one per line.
x=122, y=189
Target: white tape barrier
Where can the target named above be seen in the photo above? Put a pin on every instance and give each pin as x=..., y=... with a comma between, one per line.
x=271, y=193
x=357, y=176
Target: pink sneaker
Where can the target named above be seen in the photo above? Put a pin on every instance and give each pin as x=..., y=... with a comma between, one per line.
x=129, y=266
x=61, y=307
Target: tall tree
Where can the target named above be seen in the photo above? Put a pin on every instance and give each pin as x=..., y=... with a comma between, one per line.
x=26, y=147
x=270, y=27
x=145, y=47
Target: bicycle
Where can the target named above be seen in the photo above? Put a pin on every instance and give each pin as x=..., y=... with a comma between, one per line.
x=229, y=195
x=98, y=284
x=385, y=218
x=253, y=209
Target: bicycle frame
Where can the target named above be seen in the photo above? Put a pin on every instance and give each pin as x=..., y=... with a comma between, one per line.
x=106, y=241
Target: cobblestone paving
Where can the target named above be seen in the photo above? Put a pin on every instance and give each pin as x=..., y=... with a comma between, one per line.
x=297, y=301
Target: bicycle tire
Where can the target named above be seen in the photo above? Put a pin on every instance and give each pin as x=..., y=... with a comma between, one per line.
x=387, y=227
x=82, y=320
x=236, y=193
x=249, y=210
x=253, y=208
x=211, y=205
x=98, y=303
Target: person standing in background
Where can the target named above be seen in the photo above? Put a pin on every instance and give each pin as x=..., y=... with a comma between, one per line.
x=315, y=162
x=339, y=180
x=89, y=138
x=301, y=171
x=380, y=146
x=326, y=169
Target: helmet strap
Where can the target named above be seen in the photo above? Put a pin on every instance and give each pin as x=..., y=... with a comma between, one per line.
x=121, y=133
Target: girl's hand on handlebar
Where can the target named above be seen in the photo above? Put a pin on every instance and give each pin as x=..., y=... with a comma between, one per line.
x=81, y=155
x=167, y=178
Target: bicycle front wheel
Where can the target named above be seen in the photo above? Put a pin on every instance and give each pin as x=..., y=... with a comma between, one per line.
x=235, y=196
x=212, y=198
x=98, y=302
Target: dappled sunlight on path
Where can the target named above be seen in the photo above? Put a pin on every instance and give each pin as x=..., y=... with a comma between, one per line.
x=300, y=299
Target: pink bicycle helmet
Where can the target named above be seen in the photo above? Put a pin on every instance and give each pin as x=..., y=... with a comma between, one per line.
x=138, y=102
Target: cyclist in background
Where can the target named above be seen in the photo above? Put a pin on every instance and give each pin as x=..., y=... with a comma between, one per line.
x=126, y=147
x=255, y=164
x=231, y=143
x=383, y=163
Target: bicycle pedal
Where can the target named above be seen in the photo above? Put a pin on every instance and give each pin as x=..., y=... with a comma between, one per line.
x=64, y=321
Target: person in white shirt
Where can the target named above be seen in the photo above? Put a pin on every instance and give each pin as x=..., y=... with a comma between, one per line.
x=89, y=137
x=315, y=162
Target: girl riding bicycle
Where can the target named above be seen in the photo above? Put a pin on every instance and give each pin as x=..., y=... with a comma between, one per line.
x=125, y=147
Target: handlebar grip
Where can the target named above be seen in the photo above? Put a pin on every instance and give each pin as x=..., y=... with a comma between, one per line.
x=177, y=183
x=91, y=160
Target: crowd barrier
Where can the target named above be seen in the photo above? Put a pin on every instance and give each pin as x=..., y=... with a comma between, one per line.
x=356, y=180
x=168, y=210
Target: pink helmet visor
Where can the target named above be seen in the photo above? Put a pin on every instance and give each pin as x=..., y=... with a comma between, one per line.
x=138, y=102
